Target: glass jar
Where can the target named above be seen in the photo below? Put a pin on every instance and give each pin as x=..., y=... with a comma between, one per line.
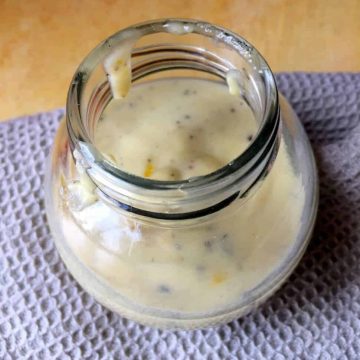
x=195, y=252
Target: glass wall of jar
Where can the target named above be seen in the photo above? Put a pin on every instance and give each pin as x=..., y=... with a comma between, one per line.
x=184, y=249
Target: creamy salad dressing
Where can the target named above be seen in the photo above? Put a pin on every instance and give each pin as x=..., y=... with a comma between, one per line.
x=176, y=129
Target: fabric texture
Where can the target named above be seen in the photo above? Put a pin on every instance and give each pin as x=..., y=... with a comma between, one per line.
x=44, y=314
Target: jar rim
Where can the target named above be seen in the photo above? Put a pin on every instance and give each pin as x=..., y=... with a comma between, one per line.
x=208, y=183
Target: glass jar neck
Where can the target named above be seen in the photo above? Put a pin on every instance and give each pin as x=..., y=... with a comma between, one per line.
x=201, y=50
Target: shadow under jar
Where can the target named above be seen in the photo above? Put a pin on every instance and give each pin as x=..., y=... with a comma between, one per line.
x=219, y=230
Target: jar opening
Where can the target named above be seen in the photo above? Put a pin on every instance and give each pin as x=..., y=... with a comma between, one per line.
x=178, y=45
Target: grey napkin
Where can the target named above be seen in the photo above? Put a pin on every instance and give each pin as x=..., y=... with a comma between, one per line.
x=44, y=314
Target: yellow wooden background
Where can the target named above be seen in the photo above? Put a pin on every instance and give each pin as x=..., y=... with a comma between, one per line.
x=42, y=41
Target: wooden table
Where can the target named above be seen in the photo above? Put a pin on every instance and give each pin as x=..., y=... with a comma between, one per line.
x=42, y=41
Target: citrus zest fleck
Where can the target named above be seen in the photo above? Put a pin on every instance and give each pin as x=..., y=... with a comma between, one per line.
x=149, y=169
x=218, y=278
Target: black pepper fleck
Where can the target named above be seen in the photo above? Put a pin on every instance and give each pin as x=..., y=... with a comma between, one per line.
x=186, y=92
x=232, y=110
x=249, y=137
x=191, y=137
x=187, y=116
x=226, y=245
x=208, y=244
x=200, y=268
x=164, y=289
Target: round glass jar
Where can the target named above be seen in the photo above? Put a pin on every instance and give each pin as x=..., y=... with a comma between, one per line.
x=198, y=251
